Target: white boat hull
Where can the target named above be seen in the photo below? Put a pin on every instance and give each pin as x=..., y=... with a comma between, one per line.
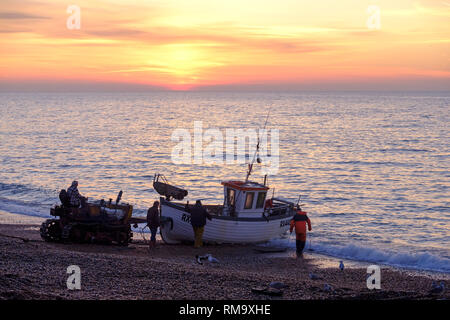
x=177, y=227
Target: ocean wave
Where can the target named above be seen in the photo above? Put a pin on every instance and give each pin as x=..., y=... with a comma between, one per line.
x=374, y=163
x=404, y=150
x=408, y=260
x=13, y=188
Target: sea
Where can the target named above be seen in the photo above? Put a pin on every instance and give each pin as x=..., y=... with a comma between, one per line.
x=371, y=168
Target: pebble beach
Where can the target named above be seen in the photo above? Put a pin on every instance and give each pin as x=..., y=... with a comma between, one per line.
x=31, y=268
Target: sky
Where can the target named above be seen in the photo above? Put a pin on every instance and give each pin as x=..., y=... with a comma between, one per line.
x=225, y=45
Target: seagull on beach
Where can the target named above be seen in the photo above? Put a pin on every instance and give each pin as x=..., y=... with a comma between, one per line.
x=212, y=259
x=208, y=257
x=199, y=259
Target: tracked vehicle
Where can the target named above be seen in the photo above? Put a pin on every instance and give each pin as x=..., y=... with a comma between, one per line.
x=95, y=222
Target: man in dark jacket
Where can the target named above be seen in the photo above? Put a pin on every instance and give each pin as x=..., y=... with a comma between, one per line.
x=198, y=221
x=153, y=222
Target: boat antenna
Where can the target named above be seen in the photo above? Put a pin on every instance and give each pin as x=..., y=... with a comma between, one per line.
x=258, y=159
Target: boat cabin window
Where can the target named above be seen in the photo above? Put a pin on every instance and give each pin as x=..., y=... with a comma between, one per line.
x=231, y=193
x=260, y=200
x=249, y=200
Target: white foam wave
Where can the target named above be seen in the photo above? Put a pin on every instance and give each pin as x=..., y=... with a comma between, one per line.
x=410, y=260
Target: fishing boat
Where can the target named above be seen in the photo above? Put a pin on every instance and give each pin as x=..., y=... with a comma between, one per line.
x=247, y=214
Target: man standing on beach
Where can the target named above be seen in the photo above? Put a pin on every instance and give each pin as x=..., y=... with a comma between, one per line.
x=153, y=222
x=198, y=221
x=299, y=222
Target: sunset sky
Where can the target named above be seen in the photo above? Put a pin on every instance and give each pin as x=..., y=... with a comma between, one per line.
x=233, y=44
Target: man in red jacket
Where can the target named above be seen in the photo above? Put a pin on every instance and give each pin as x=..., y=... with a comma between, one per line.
x=299, y=222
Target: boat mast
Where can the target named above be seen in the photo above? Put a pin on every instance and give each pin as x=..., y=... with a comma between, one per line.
x=250, y=165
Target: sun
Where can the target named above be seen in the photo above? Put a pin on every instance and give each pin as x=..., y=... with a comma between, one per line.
x=184, y=64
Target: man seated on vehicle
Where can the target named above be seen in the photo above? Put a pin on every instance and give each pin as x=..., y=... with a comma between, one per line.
x=74, y=195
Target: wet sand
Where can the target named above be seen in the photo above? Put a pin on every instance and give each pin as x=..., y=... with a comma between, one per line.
x=35, y=269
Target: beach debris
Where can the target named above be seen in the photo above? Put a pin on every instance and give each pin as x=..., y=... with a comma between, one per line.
x=313, y=276
x=437, y=288
x=327, y=287
x=267, y=290
x=259, y=289
x=277, y=285
x=341, y=265
x=273, y=289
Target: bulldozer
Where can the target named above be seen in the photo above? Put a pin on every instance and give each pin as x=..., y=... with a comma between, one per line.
x=94, y=222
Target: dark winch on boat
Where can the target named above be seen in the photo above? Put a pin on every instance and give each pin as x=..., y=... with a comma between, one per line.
x=97, y=221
